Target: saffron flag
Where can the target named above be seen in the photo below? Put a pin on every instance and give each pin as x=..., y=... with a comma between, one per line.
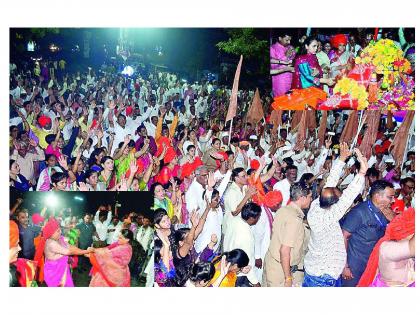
x=233, y=104
x=255, y=112
x=399, y=145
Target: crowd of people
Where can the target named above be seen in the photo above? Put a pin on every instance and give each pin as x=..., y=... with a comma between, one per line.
x=300, y=206
x=302, y=199
x=61, y=249
x=317, y=60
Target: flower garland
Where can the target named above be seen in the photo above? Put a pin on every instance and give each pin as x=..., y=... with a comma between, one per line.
x=347, y=86
x=387, y=60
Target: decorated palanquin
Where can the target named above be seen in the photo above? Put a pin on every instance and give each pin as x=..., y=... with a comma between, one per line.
x=380, y=79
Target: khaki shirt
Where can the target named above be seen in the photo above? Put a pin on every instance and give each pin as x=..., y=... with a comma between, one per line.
x=289, y=230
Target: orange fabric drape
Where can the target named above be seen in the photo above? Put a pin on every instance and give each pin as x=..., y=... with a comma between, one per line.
x=322, y=127
x=372, y=121
x=400, y=140
x=255, y=112
x=350, y=129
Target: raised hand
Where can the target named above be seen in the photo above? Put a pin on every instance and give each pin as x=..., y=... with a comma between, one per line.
x=224, y=267
x=123, y=185
x=363, y=162
x=195, y=218
x=211, y=181
x=251, y=191
x=62, y=161
x=83, y=187
x=133, y=167
x=328, y=142
x=126, y=139
x=344, y=151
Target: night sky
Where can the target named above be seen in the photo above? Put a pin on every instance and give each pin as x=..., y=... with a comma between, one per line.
x=139, y=202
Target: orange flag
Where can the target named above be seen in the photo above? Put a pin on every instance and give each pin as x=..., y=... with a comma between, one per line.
x=255, y=112
x=398, y=147
x=233, y=104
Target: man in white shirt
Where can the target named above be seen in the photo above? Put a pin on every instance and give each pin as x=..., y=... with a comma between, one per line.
x=114, y=230
x=214, y=220
x=284, y=185
x=240, y=236
x=200, y=189
x=327, y=254
x=236, y=196
x=101, y=223
x=263, y=229
x=145, y=234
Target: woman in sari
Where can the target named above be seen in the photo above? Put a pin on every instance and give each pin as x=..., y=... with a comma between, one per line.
x=161, y=201
x=107, y=175
x=237, y=261
x=308, y=72
x=111, y=264
x=56, y=251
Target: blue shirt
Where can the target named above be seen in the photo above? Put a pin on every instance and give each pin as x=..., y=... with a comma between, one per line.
x=26, y=240
x=367, y=225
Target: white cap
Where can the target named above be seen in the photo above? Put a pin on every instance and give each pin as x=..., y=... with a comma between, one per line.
x=253, y=137
x=390, y=160
x=225, y=134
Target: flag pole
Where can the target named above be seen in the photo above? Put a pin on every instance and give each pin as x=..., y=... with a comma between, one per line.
x=230, y=132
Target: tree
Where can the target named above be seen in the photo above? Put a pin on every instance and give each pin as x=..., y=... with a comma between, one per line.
x=243, y=41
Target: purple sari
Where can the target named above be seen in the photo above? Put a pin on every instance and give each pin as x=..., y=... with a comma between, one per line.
x=57, y=273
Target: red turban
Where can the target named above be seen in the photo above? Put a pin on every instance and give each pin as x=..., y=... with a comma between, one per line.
x=273, y=198
x=399, y=228
x=49, y=229
x=188, y=168
x=170, y=155
x=338, y=39
x=37, y=218
x=14, y=234
x=44, y=120
x=129, y=110
x=255, y=164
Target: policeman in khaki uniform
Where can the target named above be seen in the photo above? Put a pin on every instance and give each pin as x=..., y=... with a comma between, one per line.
x=287, y=241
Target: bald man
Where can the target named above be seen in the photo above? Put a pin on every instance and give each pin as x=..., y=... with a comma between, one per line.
x=326, y=257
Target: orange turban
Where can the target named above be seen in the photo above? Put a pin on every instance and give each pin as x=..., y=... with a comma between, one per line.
x=14, y=234
x=338, y=39
x=273, y=198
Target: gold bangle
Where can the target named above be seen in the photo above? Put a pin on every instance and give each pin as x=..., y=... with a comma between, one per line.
x=289, y=278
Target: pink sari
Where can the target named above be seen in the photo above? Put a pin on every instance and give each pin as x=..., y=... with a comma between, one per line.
x=110, y=266
x=57, y=272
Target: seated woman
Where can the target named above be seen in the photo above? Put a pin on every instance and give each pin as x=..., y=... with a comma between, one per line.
x=238, y=262
x=111, y=264
x=17, y=180
x=56, y=251
x=391, y=263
